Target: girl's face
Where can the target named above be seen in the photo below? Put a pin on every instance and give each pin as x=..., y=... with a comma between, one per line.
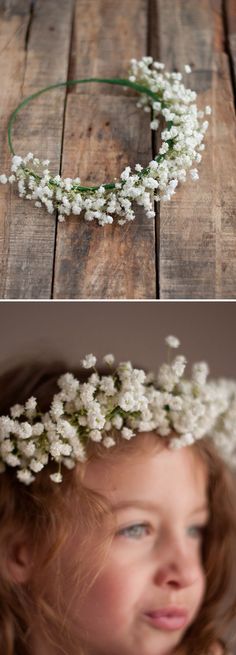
x=154, y=564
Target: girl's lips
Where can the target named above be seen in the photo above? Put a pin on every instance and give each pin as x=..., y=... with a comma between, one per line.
x=168, y=618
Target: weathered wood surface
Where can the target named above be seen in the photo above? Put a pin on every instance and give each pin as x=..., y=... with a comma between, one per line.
x=95, y=130
x=230, y=28
x=34, y=55
x=198, y=227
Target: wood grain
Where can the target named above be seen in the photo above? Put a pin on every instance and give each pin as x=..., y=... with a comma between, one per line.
x=29, y=240
x=14, y=21
x=114, y=261
x=102, y=135
x=197, y=228
x=230, y=15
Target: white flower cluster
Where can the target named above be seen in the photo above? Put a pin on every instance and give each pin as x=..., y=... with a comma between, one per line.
x=124, y=401
x=179, y=153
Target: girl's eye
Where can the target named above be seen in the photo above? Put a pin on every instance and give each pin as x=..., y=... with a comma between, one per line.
x=196, y=531
x=135, y=531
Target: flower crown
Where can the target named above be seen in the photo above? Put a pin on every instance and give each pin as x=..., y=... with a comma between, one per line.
x=126, y=401
x=165, y=96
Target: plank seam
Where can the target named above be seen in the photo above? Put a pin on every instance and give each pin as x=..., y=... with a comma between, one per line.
x=228, y=49
x=31, y=16
x=151, y=20
x=61, y=153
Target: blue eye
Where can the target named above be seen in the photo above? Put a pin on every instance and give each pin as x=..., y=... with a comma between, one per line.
x=196, y=531
x=135, y=531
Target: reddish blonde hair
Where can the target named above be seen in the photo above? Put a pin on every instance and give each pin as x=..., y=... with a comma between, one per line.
x=43, y=512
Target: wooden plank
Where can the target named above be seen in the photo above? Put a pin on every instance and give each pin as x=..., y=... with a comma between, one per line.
x=28, y=241
x=197, y=228
x=106, y=35
x=112, y=261
x=14, y=22
x=102, y=136
x=230, y=11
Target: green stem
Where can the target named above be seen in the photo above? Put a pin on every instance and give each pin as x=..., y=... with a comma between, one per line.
x=122, y=82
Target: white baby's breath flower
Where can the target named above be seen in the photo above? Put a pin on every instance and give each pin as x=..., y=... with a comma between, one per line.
x=68, y=463
x=200, y=372
x=3, y=179
x=194, y=174
x=36, y=465
x=117, y=421
x=178, y=365
x=57, y=408
x=187, y=68
x=12, y=460
x=27, y=448
x=28, y=157
x=126, y=173
x=89, y=361
x=69, y=385
x=66, y=449
x=187, y=439
x=31, y=404
x=130, y=401
x=175, y=443
x=56, y=477
x=37, y=429
x=25, y=430
x=108, y=425
x=6, y=447
x=82, y=420
x=79, y=452
x=65, y=428
x=94, y=379
x=127, y=433
x=108, y=442
x=127, y=401
x=95, y=435
x=109, y=359
x=107, y=385
x=180, y=147
x=25, y=476
x=87, y=391
x=30, y=407
x=173, y=342
x=95, y=419
x=17, y=410
x=176, y=403
x=154, y=124
x=167, y=378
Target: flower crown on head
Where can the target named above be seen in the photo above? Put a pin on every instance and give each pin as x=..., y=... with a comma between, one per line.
x=125, y=402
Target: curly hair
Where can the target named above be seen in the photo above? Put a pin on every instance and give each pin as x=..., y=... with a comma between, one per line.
x=43, y=512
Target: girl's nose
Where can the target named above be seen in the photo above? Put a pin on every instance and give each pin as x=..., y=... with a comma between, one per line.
x=178, y=569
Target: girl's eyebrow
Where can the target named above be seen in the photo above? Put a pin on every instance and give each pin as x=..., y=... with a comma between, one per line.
x=135, y=503
x=151, y=506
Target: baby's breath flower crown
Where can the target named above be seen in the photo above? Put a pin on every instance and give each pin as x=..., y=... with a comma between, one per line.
x=126, y=401
x=165, y=96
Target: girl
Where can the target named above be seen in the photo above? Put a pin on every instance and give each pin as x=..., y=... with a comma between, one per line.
x=127, y=548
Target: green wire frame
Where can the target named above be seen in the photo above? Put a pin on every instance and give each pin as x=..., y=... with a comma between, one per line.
x=120, y=82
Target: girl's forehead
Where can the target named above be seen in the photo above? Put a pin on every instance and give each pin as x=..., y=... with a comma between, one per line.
x=156, y=475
